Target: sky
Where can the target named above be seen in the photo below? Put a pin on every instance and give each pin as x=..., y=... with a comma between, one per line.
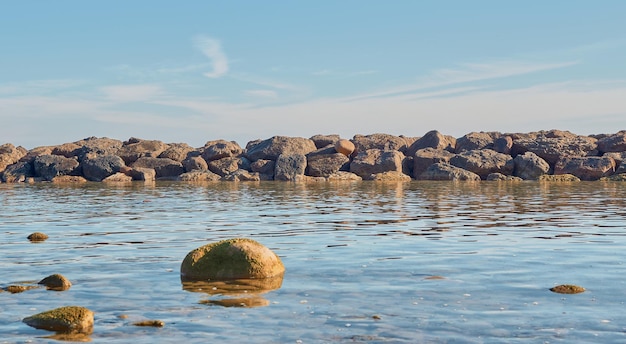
x=194, y=71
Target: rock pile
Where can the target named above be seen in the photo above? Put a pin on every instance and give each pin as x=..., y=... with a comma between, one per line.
x=434, y=156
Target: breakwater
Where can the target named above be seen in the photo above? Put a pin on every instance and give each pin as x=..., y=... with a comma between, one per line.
x=542, y=155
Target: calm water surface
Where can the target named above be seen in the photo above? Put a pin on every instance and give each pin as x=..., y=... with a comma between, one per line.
x=366, y=262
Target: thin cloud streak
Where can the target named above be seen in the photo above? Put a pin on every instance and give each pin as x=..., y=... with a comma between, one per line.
x=469, y=73
x=212, y=48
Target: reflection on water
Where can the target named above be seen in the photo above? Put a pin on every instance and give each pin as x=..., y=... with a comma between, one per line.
x=365, y=261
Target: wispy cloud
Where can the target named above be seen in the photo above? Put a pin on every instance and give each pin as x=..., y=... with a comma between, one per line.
x=212, y=48
x=469, y=72
x=262, y=93
x=131, y=93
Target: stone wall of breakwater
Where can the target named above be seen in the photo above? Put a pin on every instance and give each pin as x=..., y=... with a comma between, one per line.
x=543, y=155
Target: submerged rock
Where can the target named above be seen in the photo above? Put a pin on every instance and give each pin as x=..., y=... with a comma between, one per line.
x=56, y=282
x=231, y=259
x=69, y=319
x=149, y=323
x=567, y=289
x=37, y=237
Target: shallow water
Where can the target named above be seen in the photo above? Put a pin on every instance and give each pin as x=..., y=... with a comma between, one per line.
x=366, y=262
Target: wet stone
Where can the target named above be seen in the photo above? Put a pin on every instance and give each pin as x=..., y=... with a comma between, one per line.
x=37, y=237
x=56, y=282
x=567, y=289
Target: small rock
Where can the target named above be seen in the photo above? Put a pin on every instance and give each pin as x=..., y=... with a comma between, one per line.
x=37, y=236
x=345, y=147
x=150, y=323
x=567, y=289
x=56, y=282
x=15, y=289
x=69, y=319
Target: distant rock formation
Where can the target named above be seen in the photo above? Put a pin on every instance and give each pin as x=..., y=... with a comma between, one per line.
x=434, y=156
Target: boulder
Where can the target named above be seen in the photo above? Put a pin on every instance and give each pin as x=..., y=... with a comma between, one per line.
x=92, y=147
x=443, y=171
x=219, y=149
x=228, y=165
x=68, y=179
x=56, y=282
x=134, y=148
x=324, y=140
x=558, y=178
x=343, y=176
x=289, y=167
x=243, y=176
x=177, y=152
x=101, y=166
x=199, y=176
x=345, y=147
x=393, y=176
x=18, y=172
x=37, y=237
x=619, y=157
x=9, y=155
x=503, y=144
x=323, y=165
x=432, y=139
x=529, y=166
x=238, y=258
x=50, y=166
x=474, y=141
x=483, y=162
x=501, y=177
x=423, y=158
x=374, y=161
x=163, y=167
x=585, y=168
x=553, y=145
x=613, y=143
x=118, y=177
x=37, y=151
x=69, y=319
x=378, y=141
x=263, y=166
x=271, y=148
x=142, y=173
x=67, y=150
x=194, y=163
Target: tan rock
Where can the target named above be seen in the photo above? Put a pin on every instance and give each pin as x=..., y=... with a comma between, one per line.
x=345, y=147
x=69, y=319
x=37, y=236
x=56, y=282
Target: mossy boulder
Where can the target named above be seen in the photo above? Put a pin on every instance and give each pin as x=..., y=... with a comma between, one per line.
x=56, y=282
x=69, y=319
x=238, y=258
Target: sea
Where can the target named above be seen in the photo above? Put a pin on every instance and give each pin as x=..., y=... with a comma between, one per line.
x=365, y=262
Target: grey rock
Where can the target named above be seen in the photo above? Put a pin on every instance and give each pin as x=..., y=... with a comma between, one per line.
x=432, y=139
x=228, y=165
x=271, y=148
x=100, y=167
x=163, y=167
x=425, y=157
x=134, y=148
x=483, y=162
x=50, y=166
x=585, y=168
x=473, y=141
x=374, y=161
x=444, y=171
x=289, y=167
x=379, y=141
x=219, y=149
x=530, y=166
x=195, y=163
x=613, y=143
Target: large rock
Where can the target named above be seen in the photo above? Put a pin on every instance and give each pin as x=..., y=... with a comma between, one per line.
x=289, y=167
x=18, y=172
x=379, y=141
x=163, y=167
x=326, y=161
x=50, y=166
x=69, y=319
x=473, y=141
x=443, y=171
x=529, y=166
x=324, y=140
x=586, y=168
x=613, y=143
x=9, y=155
x=553, y=145
x=67, y=150
x=263, y=166
x=423, y=158
x=199, y=176
x=56, y=282
x=345, y=147
x=271, y=148
x=483, y=162
x=194, y=163
x=134, y=148
x=503, y=144
x=102, y=166
x=219, y=149
x=92, y=147
x=228, y=165
x=374, y=161
x=231, y=259
x=432, y=139
x=178, y=152
x=390, y=176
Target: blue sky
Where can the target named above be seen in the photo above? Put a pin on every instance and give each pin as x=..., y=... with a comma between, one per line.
x=196, y=71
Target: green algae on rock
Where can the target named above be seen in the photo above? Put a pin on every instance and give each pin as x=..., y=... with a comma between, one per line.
x=238, y=258
x=567, y=289
x=68, y=319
